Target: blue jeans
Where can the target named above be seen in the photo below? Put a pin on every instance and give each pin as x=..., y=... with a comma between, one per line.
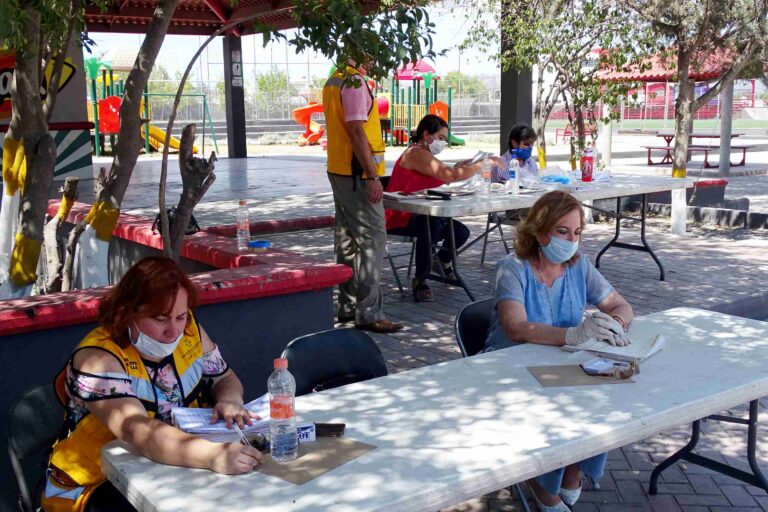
x=592, y=467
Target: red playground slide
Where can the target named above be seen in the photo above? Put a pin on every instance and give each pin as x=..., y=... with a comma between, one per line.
x=314, y=130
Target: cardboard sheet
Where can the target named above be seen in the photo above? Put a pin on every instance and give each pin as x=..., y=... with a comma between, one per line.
x=315, y=459
x=569, y=375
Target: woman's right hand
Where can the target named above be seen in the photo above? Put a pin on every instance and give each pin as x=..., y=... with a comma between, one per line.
x=235, y=459
x=597, y=326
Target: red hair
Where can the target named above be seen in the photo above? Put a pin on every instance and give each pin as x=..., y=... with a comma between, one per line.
x=148, y=289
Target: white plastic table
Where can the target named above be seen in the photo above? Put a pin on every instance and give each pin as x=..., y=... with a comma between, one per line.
x=482, y=203
x=456, y=430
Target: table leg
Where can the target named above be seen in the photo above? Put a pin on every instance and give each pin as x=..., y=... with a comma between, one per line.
x=454, y=261
x=615, y=236
x=645, y=247
x=756, y=478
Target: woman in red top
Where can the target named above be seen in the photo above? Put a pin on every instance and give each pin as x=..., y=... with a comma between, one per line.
x=418, y=169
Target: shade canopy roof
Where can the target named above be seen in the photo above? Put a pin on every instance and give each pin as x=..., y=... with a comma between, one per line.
x=411, y=70
x=195, y=17
x=705, y=67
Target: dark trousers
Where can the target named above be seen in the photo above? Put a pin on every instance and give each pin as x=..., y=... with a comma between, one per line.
x=438, y=229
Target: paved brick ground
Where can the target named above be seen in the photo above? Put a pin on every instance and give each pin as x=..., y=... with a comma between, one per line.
x=701, y=272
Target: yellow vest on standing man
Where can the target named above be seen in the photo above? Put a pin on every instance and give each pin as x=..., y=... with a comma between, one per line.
x=341, y=157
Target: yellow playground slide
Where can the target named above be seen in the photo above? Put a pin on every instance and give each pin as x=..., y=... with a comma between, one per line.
x=157, y=138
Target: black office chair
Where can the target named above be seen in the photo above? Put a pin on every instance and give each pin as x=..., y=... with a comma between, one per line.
x=34, y=422
x=329, y=359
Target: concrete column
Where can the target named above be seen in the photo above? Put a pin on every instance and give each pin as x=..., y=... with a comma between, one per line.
x=235, y=96
x=516, y=102
x=516, y=90
x=726, y=124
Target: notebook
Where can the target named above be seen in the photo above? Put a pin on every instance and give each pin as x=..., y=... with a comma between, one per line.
x=638, y=350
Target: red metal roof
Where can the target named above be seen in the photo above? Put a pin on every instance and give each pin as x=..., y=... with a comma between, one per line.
x=408, y=72
x=705, y=67
x=194, y=17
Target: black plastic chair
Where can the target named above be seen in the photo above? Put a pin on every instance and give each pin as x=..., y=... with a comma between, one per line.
x=34, y=422
x=329, y=359
x=471, y=329
x=471, y=326
x=401, y=239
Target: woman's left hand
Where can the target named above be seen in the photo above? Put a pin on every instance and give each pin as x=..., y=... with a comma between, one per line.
x=232, y=412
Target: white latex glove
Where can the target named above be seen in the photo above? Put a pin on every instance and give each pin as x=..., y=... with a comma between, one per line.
x=599, y=326
x=619, y=338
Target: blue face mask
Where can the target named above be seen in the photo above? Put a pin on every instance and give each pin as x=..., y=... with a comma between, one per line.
x=521, y=153
x=559, y=250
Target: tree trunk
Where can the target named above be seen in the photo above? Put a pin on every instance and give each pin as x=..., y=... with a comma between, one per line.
x=683, y=113
x=106, y=208
x=53, y=249
x=539, y=118
x=196, y=176
x=40, y=155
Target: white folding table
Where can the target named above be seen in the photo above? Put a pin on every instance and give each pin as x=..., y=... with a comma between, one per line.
x=456, y=430
x=483, y=203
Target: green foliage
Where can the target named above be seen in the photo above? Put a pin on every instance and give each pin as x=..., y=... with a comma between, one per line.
x=55, y=16
x=466, y=85
x=381, y=35
x=273, y=91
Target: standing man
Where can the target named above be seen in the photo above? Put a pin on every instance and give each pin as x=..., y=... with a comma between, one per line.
x=355, y=163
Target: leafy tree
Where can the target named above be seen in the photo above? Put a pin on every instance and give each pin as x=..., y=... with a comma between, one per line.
x=40, y=32
x=272, y=91
x=466, y=85
x=557, y=38
x=734, y=30
x=383, y=35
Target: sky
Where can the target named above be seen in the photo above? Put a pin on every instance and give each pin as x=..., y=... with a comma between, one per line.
x=178, y=50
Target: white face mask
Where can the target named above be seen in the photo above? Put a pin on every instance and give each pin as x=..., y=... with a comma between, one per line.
x=149, y=346
x=437, y=146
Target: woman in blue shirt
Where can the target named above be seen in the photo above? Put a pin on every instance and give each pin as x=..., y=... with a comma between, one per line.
x=540, y=294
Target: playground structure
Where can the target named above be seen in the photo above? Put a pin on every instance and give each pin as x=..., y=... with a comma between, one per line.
x=400, y=109
x=105, y=112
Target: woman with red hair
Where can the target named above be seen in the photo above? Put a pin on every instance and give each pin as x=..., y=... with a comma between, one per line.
x=147, y=355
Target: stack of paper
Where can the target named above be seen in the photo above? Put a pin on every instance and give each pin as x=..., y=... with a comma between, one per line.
x=638, y=350
x=197, y=421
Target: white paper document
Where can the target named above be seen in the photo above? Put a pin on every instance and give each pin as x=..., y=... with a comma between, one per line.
x=639, y=349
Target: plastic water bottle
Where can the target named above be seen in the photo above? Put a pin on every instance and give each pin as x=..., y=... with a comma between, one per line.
x=513, y=182
x=243, y=227
x=283, y=438
x=485, y=173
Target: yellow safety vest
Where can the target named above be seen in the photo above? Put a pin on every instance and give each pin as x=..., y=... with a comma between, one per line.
x=341, y=158
x=79, y=454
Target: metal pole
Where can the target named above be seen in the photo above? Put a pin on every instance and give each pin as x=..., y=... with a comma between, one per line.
x=210, y=123
x=146, y=119
x=449, y=116
x=95, y=102
x=408, y=123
